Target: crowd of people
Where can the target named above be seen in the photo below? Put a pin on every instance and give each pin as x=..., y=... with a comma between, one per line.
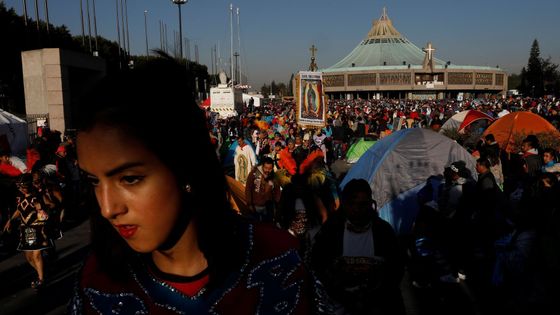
x=168, y=231
x=493, y=228
x=39, y=198
x=275, y=122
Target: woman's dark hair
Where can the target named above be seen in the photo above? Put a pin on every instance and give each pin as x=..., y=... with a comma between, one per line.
x=297, y=188
x=155, y=104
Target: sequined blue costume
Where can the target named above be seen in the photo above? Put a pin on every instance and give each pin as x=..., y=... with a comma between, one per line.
x=272, y=280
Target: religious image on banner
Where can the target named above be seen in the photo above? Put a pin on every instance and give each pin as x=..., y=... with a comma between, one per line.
x=311, y=105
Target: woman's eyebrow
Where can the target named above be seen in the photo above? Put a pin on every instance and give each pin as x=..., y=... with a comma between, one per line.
x=122, y=168
x=116, y=170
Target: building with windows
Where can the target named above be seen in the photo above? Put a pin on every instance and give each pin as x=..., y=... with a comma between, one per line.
x=386, y=64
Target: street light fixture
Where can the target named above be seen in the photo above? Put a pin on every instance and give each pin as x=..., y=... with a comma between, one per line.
x=179, y=3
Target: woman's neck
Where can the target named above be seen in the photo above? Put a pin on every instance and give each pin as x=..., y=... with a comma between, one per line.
x=185, y=258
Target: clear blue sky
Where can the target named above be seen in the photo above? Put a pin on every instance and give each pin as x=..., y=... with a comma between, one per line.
x=276, y=35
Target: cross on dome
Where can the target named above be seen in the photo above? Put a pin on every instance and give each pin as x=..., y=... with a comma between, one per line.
x=429, y=50
x=313, y=51
x=313, y=65
x=384, y=16
x=383, y=28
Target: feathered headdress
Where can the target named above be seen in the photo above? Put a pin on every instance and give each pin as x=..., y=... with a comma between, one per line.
x=287, y=161
x=283, y=177
x=310, y=161
x=262, y=125
x=318, y=177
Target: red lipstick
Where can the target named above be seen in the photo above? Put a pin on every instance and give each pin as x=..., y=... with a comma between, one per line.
x=126, y=231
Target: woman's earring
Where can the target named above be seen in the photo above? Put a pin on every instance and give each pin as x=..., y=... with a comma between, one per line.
x=187, y=188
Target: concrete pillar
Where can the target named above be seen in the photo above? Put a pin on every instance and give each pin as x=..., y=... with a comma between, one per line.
x=49, y=74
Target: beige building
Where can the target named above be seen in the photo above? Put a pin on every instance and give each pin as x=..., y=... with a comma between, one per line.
x=53, y=80
x=386, y=64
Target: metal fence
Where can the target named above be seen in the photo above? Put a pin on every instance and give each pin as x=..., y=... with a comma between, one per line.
x=34, y=122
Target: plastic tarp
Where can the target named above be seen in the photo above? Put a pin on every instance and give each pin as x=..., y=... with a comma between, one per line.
x=505, y=128
x=463, y=119
x=399, y=165
x=15, y=131
x=358, y=149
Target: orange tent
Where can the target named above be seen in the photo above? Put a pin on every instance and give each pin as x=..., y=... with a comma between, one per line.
x=505, y=128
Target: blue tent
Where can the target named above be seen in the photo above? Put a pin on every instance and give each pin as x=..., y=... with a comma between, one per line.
x=398, y=166
x=13, y=133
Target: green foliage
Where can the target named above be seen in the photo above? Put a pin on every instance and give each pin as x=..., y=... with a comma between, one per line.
x=551, y=77
x=108, y=50
x=198, y=74
x=277, y=89
x=522, y=81
x=291, y=86
x=540, y=77
x=535, y=72
x=514, y=80
x=17, y=38
x=546, y=140
x=265, y=90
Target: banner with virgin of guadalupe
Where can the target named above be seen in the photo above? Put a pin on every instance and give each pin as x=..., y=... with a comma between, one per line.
x=311, y=107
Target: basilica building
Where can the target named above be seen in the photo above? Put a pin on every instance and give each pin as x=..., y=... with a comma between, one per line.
x=386, y=64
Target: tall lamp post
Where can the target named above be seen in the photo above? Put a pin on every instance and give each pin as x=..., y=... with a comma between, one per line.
x=146, y=31
x=179, y=3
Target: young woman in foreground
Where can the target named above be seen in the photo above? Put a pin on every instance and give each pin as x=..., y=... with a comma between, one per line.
x=164, y=238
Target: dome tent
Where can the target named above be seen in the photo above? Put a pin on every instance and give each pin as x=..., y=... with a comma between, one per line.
x=14, y=130
x=462, y=120
x=525, y=123
x=398, y=166
x=358, y=149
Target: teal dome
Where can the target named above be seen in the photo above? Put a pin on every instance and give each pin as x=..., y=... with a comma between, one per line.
x=384, y=46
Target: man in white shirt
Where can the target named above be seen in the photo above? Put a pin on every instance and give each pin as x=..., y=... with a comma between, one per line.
x=357, y=257
x=244, y=160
